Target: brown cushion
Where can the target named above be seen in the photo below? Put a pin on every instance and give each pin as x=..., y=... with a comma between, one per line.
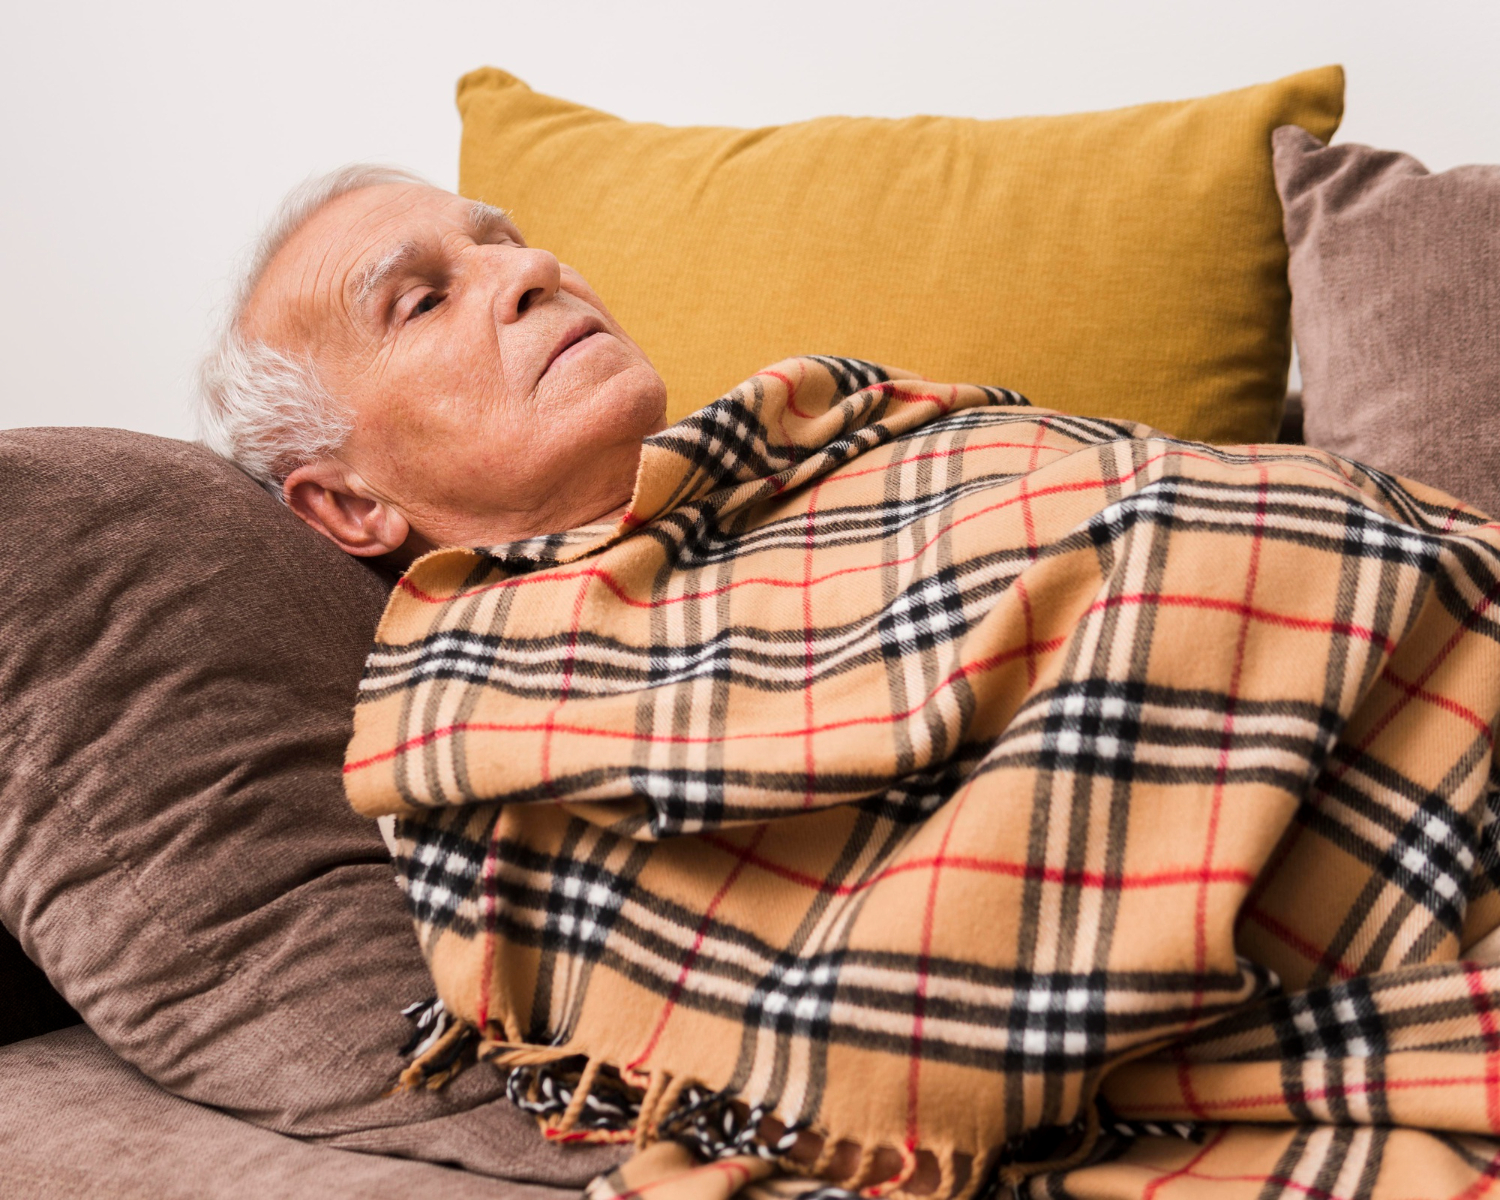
x=111, y=1132
x=1395, y=277
x=179, y=656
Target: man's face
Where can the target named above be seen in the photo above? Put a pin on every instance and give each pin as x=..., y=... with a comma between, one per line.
x=494, y=396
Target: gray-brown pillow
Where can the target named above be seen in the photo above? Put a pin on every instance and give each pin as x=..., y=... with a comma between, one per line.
x=178, y=661
x=1395, y=276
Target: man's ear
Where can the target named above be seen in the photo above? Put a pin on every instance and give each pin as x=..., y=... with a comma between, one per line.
x=335, y=501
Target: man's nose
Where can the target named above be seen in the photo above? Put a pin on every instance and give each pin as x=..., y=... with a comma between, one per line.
x=527, y=276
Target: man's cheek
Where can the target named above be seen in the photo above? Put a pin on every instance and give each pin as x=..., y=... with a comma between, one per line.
x=469, y=364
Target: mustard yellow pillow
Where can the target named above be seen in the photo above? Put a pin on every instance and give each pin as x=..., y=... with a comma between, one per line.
x=1127, y=263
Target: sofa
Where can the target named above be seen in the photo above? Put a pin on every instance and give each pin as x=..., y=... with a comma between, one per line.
x=191, y=908
x=108, y=1127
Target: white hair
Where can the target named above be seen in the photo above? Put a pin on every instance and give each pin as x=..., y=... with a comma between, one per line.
x=264, y=408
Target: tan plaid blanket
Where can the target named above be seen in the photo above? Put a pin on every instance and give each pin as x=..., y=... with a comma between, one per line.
x=926, y=793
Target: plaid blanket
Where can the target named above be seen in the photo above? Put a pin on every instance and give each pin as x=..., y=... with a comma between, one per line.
x=922, y=792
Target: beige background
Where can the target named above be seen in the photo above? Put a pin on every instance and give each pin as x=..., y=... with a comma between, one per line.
x=143, y=143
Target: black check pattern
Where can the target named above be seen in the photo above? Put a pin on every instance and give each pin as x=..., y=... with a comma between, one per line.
x=825, y=716
x=701, y=541
x=927, y=614
x=729, y=436
x=1156, y=503
x=729, y=440
x=1432, y=858
x=1369, y=534
x=795, y=997
x=680, y=800
x=582, y=905
x=1489, y=841
x=711, y=659
x=438, y=869
x=852, y=374
x=912, y=800
x=1338, y=1021
x=1093, y=727
x=1058, y=1022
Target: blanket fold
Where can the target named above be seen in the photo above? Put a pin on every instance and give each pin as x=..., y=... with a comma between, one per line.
x=909, y=764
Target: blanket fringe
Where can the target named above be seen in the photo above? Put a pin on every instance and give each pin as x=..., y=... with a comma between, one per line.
x=646, y=1124
x=523, y=1054
x=447, y=1052
x=824, y=1161
x=581, y=1099
x=860, y=1176
x=670, y=1098
x=581, y=1093
x=900, y=1179
x=1014, y=1174
x=589, y=1100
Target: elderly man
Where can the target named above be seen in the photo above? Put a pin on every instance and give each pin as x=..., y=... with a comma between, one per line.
x=863, y=776
x=386, y=324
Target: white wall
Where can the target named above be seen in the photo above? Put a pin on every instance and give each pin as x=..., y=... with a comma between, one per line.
x=143, y=143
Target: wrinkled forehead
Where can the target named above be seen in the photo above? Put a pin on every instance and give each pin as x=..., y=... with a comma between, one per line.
x=308, y=291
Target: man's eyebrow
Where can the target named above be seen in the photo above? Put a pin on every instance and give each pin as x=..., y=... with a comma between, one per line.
x=484, y=219
x=368, y=280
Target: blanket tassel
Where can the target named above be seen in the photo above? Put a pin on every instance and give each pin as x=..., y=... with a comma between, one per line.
x=440, y=1061
x=1013, y=1175
x=523, y=1054
x=647, y=1121
x=581, y=1091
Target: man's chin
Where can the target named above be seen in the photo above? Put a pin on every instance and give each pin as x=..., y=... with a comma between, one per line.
x=612, y=377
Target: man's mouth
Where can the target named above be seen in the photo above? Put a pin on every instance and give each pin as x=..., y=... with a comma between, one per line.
x=575, y=335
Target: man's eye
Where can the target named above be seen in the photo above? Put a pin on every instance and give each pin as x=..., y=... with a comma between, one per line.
x=426, y=304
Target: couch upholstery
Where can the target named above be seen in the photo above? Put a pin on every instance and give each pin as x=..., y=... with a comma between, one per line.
x=76, y=1120
x=178, y=654
x=1395, y=276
